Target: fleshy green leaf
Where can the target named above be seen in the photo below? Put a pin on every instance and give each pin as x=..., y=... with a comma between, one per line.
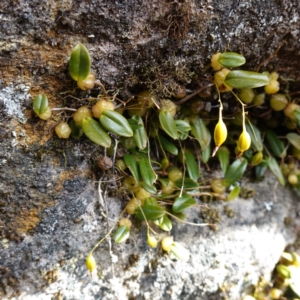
x=147, y=172
x=151, y=212
x=40, y=104
x=168, y=146
x=276, y=145
x=294, y=139
x=133, y=165
x=240, y=79
x=165, y=223
x=168, y=124
x=260, y=170
x=94, y=131
x=151, y=201
x=297, y=115
x=235, y=171
x=223, y=156
x=231, y=59
x=234, y=193
x=115, y=123
x=121, y=234
x=180, y=252
x=191, y=165
x=187, y=184
x=256, y=141
x=200, y=132
x=139, y=132
x=206, y=154
x=76, y=132
x=274, y=167
x=183, y=128
x=149, y=188
x=135, y=123
x=80, y=63
x=183, y=202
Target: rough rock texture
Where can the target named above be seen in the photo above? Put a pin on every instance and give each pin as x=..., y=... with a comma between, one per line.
x=50, y=213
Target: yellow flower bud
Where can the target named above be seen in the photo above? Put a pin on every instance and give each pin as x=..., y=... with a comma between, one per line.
x=244, y=142
x=152, y=241
x=90, y=262
x=220, y=135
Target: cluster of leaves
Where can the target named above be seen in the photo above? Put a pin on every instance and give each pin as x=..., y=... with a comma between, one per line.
x=166, y=142
x=285, y=283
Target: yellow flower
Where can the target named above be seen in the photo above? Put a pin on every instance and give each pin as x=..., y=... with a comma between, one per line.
x=91, y=263
x=244, y=142
x=220, y=135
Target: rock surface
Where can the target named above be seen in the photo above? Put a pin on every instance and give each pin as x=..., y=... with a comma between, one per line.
x=50, y=211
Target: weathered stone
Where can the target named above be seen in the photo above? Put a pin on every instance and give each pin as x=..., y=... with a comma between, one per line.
x=49, y=206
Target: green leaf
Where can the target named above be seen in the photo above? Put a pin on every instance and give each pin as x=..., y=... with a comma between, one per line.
x=276, y=145
x=284, y=271
x=76, y=132
x=206, y=154
x=168, y=124
x=40, y=104
x=147, y=172
x=133, y=165
x=139, y=132
x=135, y=123
x=151, y=212
x=191, y=165
x=234, y=193
x=223, y=157
x=149, y=188
x=121, y=234
x=180, y=252
x=200, y=132
x=231, y=59
x=260, y=170
x=94, y=131
x=151, y=201
x=183, y=128
x=115, y=123
x=165, y=223
x=274, y=167
x=296, y=114
x=256, y=141
x=80, y=63
x=239, y=79
x=294, y=139
x=183, y=202
x=235, y=171
x=186, y=183
x=167, y=145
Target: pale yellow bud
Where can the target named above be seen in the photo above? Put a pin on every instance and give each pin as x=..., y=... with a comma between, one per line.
x=91, y=263
x=244, y=142
x=152, y=241
x=220, y=135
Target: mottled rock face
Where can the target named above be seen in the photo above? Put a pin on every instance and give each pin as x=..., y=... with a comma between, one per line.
x=50, y=216
x=162, y=43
